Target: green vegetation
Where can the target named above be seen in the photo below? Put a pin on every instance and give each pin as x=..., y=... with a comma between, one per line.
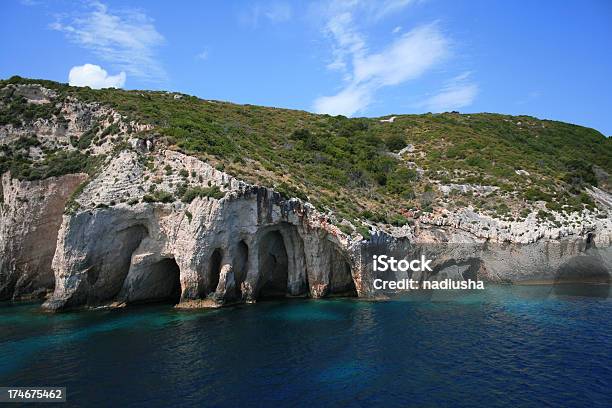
x=347, y=164
x=56, y=162
x=72, y=205
x=15, y=109
x=191, y=193
x=158, y=196
x=86, y=138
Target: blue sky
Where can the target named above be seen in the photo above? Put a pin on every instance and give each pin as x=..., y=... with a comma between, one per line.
x=550, y=59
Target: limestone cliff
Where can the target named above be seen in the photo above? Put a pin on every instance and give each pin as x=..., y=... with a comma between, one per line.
x=30, y=217
x=143, y=251
x=150, y=223
x=250, y=243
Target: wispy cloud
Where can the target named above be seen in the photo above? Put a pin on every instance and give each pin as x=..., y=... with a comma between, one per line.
x=351, y=99
x=385, y=8
x=407, y=57
x=274, y=12
x=458, y=93
x=346, y=40
x=372, y=11
x=127, y=39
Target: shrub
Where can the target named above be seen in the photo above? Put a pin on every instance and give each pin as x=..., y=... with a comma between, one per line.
x=399, y=220
x=395, y=142
x=110, y=130
x=365, y=232
x=193, y=192
x=160, y=196
x=86, y=138
x=289, y=191
x=535, y=194
x=345, y=229
x=400, y=182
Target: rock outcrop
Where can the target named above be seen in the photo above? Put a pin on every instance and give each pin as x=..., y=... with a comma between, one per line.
x=247, y=245
x=30, y=217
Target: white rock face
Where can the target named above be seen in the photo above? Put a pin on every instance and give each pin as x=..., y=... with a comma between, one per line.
x=248, y=244
x=30, y=217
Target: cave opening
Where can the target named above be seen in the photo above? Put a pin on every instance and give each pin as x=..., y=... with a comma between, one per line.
x=215, y=270
x=159, y=282
x=273, y=265
x=108, y=264
x=341, y=278
x=583, y=275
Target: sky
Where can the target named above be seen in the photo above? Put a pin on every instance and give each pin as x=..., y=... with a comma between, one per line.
x=548, y=58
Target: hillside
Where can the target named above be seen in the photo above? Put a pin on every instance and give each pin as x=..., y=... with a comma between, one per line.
x=378, y=169
x=114, y=197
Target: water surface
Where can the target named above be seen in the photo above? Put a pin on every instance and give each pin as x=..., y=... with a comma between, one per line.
x=504, y=346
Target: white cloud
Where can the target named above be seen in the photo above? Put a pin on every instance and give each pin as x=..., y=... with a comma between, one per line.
x=348, y=101
x=406, y=58
x=126, y=39
x=459, y=92
x=95, y=77
x=202, y=55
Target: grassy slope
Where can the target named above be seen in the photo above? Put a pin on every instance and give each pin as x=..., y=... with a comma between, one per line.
x=345, y=164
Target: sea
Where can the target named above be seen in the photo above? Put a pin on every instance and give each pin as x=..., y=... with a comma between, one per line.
x=504, y=346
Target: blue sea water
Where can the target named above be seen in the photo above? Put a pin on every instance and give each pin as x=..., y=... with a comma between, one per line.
x=506, y=346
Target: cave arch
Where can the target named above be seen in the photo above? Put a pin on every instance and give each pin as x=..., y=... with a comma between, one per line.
x=214, y=270
x=273, y=266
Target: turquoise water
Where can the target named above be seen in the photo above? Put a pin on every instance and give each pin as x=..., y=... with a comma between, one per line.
x=505, y=346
